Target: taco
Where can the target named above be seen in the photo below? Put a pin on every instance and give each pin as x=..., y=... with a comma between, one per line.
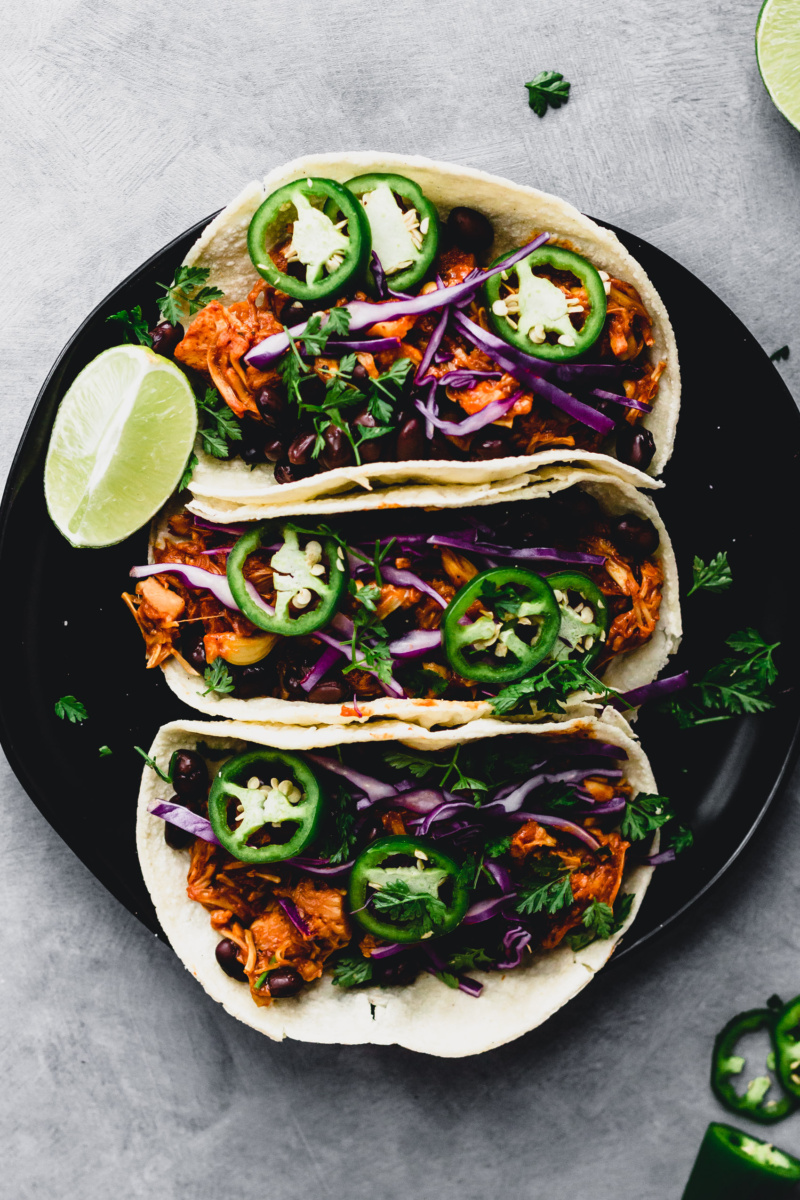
x=447, y=891
x=524, y=334
x=566, y=590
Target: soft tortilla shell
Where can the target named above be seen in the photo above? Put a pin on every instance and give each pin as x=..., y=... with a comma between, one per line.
x=627, y=671
x=427, y=1017
x=515, y=211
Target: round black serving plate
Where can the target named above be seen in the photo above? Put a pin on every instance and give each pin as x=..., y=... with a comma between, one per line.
x=66, y=630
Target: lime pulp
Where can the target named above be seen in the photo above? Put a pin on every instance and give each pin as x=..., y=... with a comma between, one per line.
x=778, y=55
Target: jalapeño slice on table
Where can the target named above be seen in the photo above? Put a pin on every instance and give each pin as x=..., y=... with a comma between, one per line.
x=731, y=1165
x=330, y=238
x=584, y=616
x=786, y=1037
x=526, y=306
x=264, y=795
x=726, y=1065
x=513, y=625
x=405, y=889
x=404, y=227
x=309, y=581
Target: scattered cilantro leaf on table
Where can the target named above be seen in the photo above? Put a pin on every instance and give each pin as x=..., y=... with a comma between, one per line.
x=779, y=355
x=70, y=709
x=548, y=88
x=715, y=576
x=644, y=814
x=737, y=685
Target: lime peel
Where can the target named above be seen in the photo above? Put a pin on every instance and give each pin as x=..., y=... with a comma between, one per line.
x=778, y=55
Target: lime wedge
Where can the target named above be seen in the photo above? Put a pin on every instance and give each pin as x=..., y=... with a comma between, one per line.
x=778, y=55
x=119, y=445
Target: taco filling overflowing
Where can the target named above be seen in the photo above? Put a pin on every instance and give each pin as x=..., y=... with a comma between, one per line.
x=375, y=335
x=434, y=606
x=383, y=862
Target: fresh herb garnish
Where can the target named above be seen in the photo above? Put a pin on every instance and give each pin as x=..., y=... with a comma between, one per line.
x=133, y=326
x=645, y=814
x=712, y=577
x=218, y=678
x=151, y=762
x=780, y=354
x=188, y=471
x=601, y=921
x=681, y=839
x=104, y=751
x=548, y=88
x=420, y=765
x=737, y=685
x=497, y=847
x=315, y=335
x=550, y=894
x=401, y=904
x=351, y=970
x=223, y=428
x=187, y=292
x=262, y=979
x=342, y=821
x=470, y=959
x=551, y=688
x=421, y=680
x=70, y=709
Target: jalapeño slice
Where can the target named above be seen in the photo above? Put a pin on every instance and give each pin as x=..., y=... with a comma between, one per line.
x=267, y=790
x=514, y=628
x=726, y=1065
x=297, y=579
x=538, y=308
x=732, y=1165
x=584, y=616
x=404, y=227
x=405, y=889
x=786, y=1037
x=330, y=238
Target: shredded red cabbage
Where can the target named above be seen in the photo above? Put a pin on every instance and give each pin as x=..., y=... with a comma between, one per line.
x=652, y=691
x=485, y=910
x=433, y=345
x=479, y=420
x=442, y=813
x=516, y=939
x=605, y=808
x=373, y=788
x=512, y=801
x=379, y=275
x=236, y=530
x=466, y=379
x=543, y=553
x=184, y=818
x=365, y=345
x=290, y=908
x=501, y=876
x=660, y=859
x=320, y=668
x=470, y=986
x=403, y=578
x=321, y=867
x=194, y=577
x=387, y=951
x=391, y=688
x=623, y=400
x=416, y=643
x=559, y=823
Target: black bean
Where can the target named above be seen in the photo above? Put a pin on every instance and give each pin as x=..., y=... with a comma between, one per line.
x=287, y=472
x=166, y=337
x=284, y=982
x=299, y=453
x=330, y=691
x=295, y=314
x=177, y=839
x=189, y=775
x=193, y=647
x=411, y=441
x=337, y=450
x=227, y=953
x=251, y=455
x=635, y=447
x=398, y=971
x=375, y=449
x=636, y=536
x=258, y=679
x=470, y=230
x=272, y=405
x=274, y=449
x=489, y=445
x=360, y=375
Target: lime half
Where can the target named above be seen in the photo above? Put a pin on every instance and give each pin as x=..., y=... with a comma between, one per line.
x=119, y=445
x=778, y=55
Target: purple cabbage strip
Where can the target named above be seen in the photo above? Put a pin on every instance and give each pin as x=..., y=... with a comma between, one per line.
x=388, y=950
x=623, y=400
x=559, y=823
x=379, y=275
x=466, y=379
x=515, y=941
x=321, y=867
x=373, y=788
x=512, y=802
x=525, y=375
x=343, y=625
x=236, y=530
x=485, y=910
x=660, y=859
x=425, y=801
x=441, y=813
x=479, y=420
x=403, y=578
x=218, y=550
x=470, y=986
x=544, y=553
x=364, y=314
x=416, y=643
x=184, y=818
x=438, y=965
x=605, y=808
x=391, y=689
x=432, y=346
x=652, y=691
x=442, y=356
x=258, y=599
x=500, y=875
x=194, y=577
x=320, y=668
x=290, y=908
x=367, y=345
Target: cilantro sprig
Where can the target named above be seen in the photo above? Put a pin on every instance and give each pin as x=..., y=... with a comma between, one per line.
x=218, y=678
x=342, y=826
x=549, y=88
x=220, y=426
x=779, y=355
x=602, y=921
x=70, y=709
x=715, y=576
x=449, y=770
x=644, y=814
x=737, y=685
x=400, y=904
x=151, y=762
x=351, y=970
x=548, y=895
x=132, y=325
x=551, y=688
x=186, y=294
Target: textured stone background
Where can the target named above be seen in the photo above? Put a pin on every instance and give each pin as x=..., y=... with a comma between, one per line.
x=123, y=124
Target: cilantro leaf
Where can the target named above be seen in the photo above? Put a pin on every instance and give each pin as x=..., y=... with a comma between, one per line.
x=133, y=326
x=470, y=959
x=602, y=921
x=645, y=814
x=737, y=685
x=351, y=970
x=221, y=425
x=549, y=896
x=497, y=847
x=104, y=751
x=780, y=354
x=551, y=687
x=399, y=903
x=188, y=471
x=218, y=678
x=403, y=760
x=549, y=87
x=186, y=293
x=420, y=680
x=714, y=577
x=681, y=839
x=315, y=335
x=70, y=709
x=622, y=910
x=151, y=762
x=342, y=821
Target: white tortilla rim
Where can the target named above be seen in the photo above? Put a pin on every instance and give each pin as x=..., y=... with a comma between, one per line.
x=627, y=671
x=427, y=1017
x=515, y=210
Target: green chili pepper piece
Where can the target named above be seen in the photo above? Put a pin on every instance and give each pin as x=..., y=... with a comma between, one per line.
x=726, y=1065
x=525, y=618
x=238, y=811
x=294, y=575
x=542, y=307
x=731, y=1165
x=332, y=244
x=573, y=629
x=439, y=877
x=786, y=1039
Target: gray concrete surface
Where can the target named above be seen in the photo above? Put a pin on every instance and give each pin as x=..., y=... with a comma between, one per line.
x=123, y=124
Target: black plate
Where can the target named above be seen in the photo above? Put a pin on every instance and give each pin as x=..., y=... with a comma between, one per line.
x=66, y=631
